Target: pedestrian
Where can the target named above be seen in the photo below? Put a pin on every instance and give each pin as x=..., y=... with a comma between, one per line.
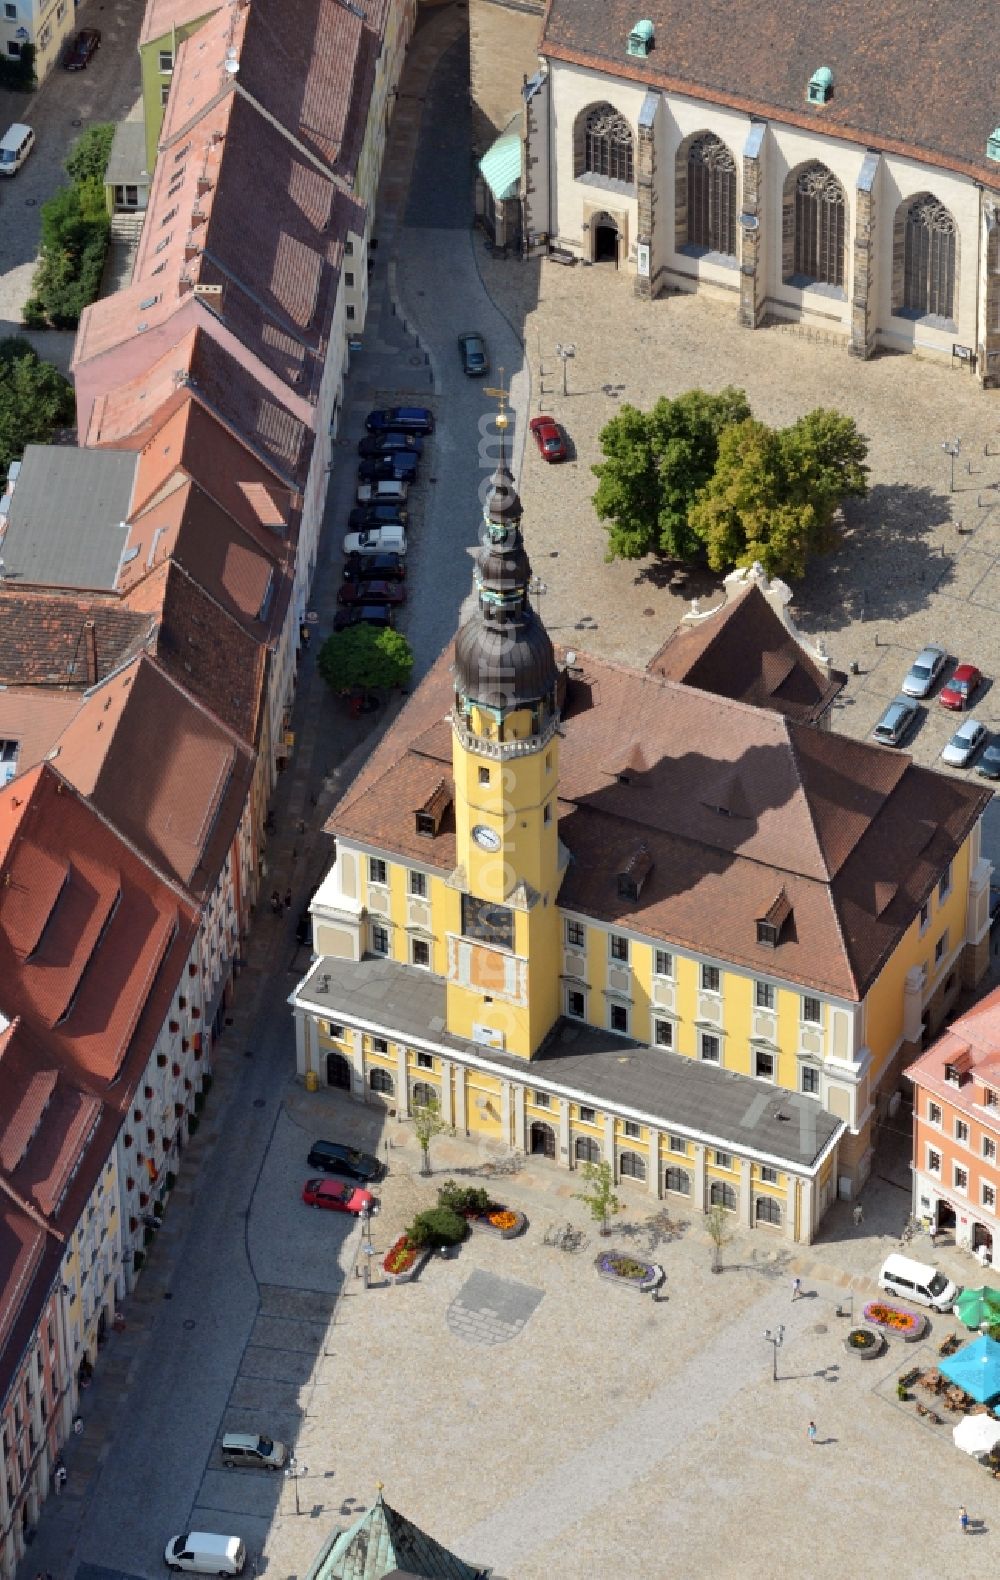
x=859, y=1216
x=812, y=1431
x=963, y=1518
x=301, y=826
x=288, y=898
x=796, y=1288
x=275, y=902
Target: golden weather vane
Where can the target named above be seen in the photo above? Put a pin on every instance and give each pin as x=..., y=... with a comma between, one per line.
x=501, y=396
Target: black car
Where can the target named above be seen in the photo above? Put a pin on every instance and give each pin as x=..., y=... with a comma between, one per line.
x=385, y=443
x=335, y=1158
x=372, y=567
x=475, y=358
x=399, y=466
x=364, y=516
x=405, y=419
x=363, y=614
x=80, y=49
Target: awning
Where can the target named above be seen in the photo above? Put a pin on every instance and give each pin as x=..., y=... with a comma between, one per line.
x=500, y=166
x=976, y=1368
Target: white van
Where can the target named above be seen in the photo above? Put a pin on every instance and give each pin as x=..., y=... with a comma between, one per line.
x=917, y=1281
x=377, y=540
x=205, y=1553
x=387, y=491
x=18, y=141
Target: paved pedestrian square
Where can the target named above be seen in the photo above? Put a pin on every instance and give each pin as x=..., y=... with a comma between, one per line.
x=490, y=1310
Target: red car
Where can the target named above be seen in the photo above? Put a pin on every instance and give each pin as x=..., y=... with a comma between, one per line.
x=961, y=688
x=337, y=1196
x=79, y=51
x=352, y=593
x=549, y=439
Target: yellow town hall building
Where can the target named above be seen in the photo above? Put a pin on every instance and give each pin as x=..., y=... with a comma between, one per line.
x=600, y=913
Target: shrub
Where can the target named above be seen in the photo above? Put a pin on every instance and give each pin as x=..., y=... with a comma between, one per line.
x=463, y=1198
x=436, y=1227
x=87, y=160
x=75, y=233
x=35, y=399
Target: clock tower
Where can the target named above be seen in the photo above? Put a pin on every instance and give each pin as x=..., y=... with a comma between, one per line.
x=503, y=976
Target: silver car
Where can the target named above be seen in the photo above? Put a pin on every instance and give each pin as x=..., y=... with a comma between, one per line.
x=924, y=671
x=895, y=721
x=964, y=744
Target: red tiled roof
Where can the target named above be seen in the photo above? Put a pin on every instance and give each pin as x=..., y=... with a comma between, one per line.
x=162, y=770
x=901, y=83
x=161, y=16
x=64, y=639
x=971, y=1042
x=734, y=804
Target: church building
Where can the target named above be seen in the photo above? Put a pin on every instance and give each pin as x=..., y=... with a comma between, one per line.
x=665, y=918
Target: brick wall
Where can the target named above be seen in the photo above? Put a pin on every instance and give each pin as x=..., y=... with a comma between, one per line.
x=503, y=50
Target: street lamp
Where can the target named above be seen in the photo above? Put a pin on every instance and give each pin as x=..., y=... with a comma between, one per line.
x=775, y=1339
x=952, y=448
x=564, y=352
x=293, y=1470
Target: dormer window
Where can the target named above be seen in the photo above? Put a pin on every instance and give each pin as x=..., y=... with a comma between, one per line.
x=641, y=39
x=772, y=923
x=634, y=874
x=430, y=815
x=820, y=90
x=767, y=934
x=953, y=1075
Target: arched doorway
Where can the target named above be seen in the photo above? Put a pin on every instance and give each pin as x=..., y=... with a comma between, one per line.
x=587, y=1150
x=338, y=1072
x=543, y=1140
x=606, y=239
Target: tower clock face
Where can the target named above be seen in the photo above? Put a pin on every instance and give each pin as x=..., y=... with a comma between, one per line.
x=486, y=838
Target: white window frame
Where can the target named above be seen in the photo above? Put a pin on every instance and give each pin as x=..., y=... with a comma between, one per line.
x=379, y=925
x=632, y=1130
x=375, y=862
x=765, y=995
x=956, y=1170
x=709, y=1036
x=765, y=1053
x=569, y=925
x=663, y=955
x=723, y=1160
x=421, y=943
x=809, y=1072
x=935, y=1114
x=768, y=1175
x=575, y=992
x=419, y=878
x=662, y=1021
x=924, y=918
x=588, y=1116
x=945, y=883
x=622, y=941
x=962, y=1132
x=807, y=1019
x=930, y=1165
x=703, y=970
x=678, y=1146
x=620, y=1031
x=989, y=1149
x=984, y=1186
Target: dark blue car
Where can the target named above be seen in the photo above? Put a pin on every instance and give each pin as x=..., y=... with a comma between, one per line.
x=406, y=419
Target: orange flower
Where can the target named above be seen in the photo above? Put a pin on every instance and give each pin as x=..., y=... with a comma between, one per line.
x=503, y=1220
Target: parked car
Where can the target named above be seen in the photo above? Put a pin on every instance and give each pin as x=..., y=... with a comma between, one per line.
x=385, y=443
x=374, y=591
x=376, y=540
x=80, y=49
x=549, y=439
x=475, y=358
x=964, y=744
x=895, y=722
x=363, y=516
x=206, y=1553
x=924, y=671
x=334, y=1157
x=251, y=1450
x=387, y=567
x=961, y=688
x=338, y=1196
x=407, y=419
x=401, y=464
x=988, y=766
x=363, y=614
x=386, y=491
x=15, y=146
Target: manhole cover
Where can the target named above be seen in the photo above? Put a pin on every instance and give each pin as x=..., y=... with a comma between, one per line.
x=259, y=1102
x=189, y=1323
x=821, y=1327
x=167, y=1295
x=30, y=202
x=76, y=123
x=416, y=362
x=648, y=612
x=248, y=1053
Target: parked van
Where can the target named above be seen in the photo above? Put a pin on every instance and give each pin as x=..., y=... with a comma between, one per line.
x=252, y=1450
x=388, y=491
x=205, y=1553
x=18, y=141
x=917, y=1281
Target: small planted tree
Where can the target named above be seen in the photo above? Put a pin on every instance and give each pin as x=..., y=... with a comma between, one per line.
x=436, y=1227
x=717, y=1224
x=365, y=658
x=463, y=1198
x=600, y=1193
x=428, y=1123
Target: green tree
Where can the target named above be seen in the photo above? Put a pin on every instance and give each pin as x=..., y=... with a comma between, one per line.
x=428, y=1123
x=655, y=464
x=87, y=160
x=437, y=1226
x=365, y=657
x=717, y=1224
x=35, y=399
x=774, y=494
x=600, y=1195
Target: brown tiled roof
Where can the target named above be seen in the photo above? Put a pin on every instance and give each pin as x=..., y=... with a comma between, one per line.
x=744, y=651
x=61, y=639
x=735, y=805
x=206, y=651
x=92, y=942
x=226, y=388
x=34, y=720
x=971, y=1042
x=160, y=16
x=162, y=770
x=902, y=81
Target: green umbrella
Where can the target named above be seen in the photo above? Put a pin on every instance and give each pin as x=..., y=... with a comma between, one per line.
x=976, y=1306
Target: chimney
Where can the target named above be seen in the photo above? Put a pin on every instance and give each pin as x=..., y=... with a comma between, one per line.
x=211, y=295
x=90, y=650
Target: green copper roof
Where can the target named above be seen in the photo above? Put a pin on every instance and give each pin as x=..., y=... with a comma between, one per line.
x=501, y=163
x=382, y=1542
x=993, y=145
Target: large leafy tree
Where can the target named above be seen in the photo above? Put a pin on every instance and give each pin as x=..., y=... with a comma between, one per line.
x=35, y=399
x=655, y=465
x=365, y=658
x=774, y=492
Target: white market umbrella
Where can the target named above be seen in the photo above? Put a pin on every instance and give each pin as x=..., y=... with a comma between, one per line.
x=977, y=1434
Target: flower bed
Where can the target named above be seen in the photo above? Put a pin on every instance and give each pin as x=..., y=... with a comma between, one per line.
x=866, y=1343
x=404, y=1261
x=629, y=1271
x=905, y=1325
x=502, y=1221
